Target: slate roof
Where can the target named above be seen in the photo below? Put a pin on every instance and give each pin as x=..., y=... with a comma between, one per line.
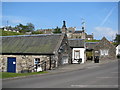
x=104, y=42
x=76, y=42
x=78, y=31
x=31, y=44
x=89, y=36
x=90, y=45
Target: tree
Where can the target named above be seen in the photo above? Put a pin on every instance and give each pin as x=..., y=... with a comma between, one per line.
x=117, y=39
x=30, y=27
x=21, y=28
x=57, y=30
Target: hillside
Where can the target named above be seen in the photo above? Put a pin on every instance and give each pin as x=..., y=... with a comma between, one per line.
x=8, y=33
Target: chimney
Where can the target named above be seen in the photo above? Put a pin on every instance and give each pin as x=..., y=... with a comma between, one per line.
x=64, y=25
x=64, y=29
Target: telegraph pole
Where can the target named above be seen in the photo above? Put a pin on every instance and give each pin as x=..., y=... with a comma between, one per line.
x=83, y=24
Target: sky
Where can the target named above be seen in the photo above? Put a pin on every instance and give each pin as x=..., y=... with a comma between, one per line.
x=101, y=18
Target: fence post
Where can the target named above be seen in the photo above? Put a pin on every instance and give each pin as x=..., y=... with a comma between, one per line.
x=45, y=65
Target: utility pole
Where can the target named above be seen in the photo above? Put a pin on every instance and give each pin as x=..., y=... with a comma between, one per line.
x=83, y=24
x=112, y=38
x=7, y=23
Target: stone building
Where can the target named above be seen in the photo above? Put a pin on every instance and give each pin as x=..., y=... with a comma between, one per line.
x=34, y=52
x=89, y=37
x=72, y=33
x=46, y=31
x=105, y=50
x=79, y=34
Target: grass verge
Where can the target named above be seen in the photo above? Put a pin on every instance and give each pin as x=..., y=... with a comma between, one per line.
x=9, y=75
x=92, y=40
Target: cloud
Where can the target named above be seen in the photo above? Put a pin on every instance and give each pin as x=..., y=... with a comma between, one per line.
x=100, y=32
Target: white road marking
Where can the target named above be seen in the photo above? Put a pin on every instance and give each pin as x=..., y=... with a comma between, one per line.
x=95, y=86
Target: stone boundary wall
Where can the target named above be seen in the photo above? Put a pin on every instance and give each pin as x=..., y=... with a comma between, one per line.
x=23, y=62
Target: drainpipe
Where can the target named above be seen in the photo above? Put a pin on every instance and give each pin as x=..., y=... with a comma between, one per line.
x=50, y=63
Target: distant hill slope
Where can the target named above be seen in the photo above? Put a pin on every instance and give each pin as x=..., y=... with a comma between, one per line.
x=8, y=33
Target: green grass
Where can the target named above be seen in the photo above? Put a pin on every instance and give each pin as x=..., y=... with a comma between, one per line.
x=9, y=33
x=9, y=75
x=0, y=75
x=92, y=40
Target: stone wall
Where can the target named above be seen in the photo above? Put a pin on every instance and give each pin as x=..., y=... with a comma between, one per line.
x=23, y=62
x=81, y=35
x=63, y=51
x=77, y=35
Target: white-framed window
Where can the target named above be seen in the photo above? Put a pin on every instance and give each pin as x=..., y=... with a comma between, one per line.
x=77, y=54
x=104, y=52
x=96, y=52
x=36, y=60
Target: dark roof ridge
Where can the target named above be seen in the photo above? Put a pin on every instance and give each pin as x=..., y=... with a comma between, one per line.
x=31, y=35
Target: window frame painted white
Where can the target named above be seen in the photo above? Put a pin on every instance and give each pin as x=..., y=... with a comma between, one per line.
x=39, y=68
x=104, y=52
x=76, y=54
x=37, y=61
x=82, y=55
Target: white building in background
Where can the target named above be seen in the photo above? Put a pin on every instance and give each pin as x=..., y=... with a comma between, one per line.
x=118, y=49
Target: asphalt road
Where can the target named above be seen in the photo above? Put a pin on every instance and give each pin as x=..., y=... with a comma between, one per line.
x=101, y=76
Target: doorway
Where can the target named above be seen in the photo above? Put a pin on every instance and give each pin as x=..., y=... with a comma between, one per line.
x=11, y=64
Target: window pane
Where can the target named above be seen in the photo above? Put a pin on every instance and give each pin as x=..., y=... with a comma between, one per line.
x=77, y=55
x=37, y=60
x=104, y=52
